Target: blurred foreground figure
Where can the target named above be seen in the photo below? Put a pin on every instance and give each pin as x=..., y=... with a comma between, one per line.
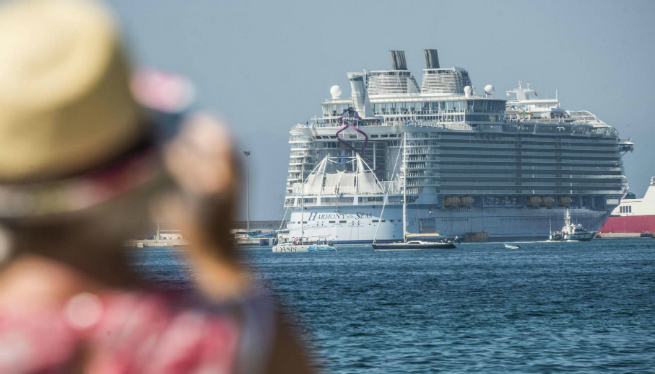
x=79, y=169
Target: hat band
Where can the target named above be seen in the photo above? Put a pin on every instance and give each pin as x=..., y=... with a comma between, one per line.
x=81, y=192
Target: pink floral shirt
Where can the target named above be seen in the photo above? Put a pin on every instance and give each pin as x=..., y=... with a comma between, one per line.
x=125, y=333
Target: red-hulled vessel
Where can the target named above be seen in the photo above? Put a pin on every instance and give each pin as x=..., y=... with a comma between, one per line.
x=633, y=216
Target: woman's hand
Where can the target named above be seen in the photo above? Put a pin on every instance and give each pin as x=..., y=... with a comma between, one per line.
x=202, y=163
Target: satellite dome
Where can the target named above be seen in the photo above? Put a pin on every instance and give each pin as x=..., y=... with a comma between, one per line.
x=335, y=91
x=467, y=91
x=489, y=89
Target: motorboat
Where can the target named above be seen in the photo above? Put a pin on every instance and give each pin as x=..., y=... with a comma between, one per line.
x=413, y=245
x=572, y=232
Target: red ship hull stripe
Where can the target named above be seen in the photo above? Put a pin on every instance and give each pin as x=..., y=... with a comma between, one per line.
x=629, y=224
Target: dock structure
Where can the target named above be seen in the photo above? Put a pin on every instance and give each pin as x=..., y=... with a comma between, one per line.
x=162, y=234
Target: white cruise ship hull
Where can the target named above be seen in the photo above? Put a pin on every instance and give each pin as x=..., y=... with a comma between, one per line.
x=358, y=225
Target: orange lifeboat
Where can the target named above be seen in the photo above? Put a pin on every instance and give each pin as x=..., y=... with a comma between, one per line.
x=564, y=201
x=466, y=201
x=547, y=201
x=534, y=201
x=452, y=201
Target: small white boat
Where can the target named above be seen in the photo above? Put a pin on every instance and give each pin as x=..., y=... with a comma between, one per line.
x=290, y=247
x=509, y=246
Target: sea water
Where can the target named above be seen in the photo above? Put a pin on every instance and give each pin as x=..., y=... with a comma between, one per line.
x=546, y=307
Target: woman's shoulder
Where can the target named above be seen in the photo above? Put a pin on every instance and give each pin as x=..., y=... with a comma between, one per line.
x=135, y=332
x=164, y=333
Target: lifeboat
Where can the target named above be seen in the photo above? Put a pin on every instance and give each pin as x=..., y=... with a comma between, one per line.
x=547, y=201
x=534, y=201
x=452, y=201
x=466, y=201
x=564, y=201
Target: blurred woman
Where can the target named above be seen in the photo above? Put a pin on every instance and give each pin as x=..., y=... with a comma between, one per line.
x=79, y=171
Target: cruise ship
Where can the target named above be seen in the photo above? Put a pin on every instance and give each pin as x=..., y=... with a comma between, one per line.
x=462, y=164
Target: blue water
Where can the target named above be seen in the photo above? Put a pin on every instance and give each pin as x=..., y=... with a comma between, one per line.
x=547, y=307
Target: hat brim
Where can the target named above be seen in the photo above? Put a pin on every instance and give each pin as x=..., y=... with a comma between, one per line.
x=138, y=170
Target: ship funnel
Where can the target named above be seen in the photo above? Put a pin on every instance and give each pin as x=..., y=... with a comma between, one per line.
x=360, y=95
x=431, y=59
x=398, y=61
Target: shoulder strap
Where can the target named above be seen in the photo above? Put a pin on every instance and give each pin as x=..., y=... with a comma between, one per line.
x=257, y=334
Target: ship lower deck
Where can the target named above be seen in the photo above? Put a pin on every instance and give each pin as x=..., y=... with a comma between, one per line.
x=363, y=224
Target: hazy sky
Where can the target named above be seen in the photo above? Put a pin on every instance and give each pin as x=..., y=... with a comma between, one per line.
x=266, y=65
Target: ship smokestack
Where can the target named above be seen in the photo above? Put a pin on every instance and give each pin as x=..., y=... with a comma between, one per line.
x=431, y=59
x=398, y=61
x=360, y=95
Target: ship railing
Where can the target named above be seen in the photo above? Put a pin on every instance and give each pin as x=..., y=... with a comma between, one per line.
x=349, y=203
x=614, y=154
x=536, y=164
x=416, y=165
x=423, y=136
x=574, y=120
x=552, y=141
x=458, y=126
x=461, y=191
x=420, y=142
x=427, y=175
x=551, y=175
x=534, y=160
x=526, y=192
x=495, y=152
x=576, y=127
x=299, y=154
x=415, y=159
x=527, y=168
x=444, y=175
x=508, y=184
x=568, y=147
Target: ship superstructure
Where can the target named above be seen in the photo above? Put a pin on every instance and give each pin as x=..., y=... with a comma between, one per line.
x=472, y=164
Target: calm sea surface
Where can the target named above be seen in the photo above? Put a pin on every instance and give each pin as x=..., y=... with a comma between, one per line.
x=547, y=307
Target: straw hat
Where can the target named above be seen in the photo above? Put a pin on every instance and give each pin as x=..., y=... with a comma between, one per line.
x=66, y=111
x=65, y=104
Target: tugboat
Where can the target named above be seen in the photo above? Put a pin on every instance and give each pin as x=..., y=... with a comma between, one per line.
x=572, y=232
